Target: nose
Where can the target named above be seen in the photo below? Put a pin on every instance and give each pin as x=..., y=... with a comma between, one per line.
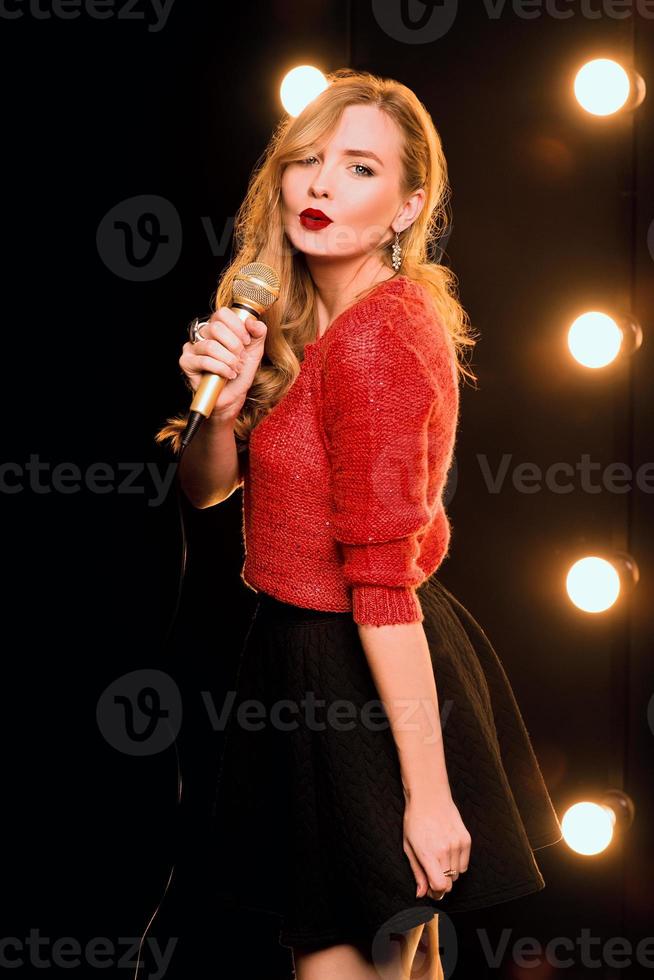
x=317, y=188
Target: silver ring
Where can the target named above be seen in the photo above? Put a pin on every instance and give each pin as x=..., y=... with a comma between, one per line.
x=194, y=330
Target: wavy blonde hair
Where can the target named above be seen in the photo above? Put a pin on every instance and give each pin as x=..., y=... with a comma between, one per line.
x=259, y=236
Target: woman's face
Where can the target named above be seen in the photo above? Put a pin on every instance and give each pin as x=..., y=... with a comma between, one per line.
x=360, y=194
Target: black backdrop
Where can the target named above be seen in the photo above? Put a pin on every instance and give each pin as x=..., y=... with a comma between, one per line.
x=552, y=212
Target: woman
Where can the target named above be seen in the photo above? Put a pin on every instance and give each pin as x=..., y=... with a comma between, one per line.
x=339, y=423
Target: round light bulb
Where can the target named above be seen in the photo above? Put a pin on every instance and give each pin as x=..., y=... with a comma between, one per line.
x=594, y=339
x=593, y=584
x=300, y=86
x=602, y=86
x=588, y=827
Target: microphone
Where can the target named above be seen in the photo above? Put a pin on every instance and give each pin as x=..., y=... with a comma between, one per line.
x=255, y=289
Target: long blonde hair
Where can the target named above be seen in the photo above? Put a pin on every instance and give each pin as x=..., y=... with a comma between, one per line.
x=259, y=236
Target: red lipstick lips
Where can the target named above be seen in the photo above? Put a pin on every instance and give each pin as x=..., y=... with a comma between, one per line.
x=313, y=219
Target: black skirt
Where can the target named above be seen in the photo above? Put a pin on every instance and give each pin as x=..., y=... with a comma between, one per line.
x=308, y=813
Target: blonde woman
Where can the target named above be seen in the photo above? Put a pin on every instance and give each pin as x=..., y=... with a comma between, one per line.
x=347, y=806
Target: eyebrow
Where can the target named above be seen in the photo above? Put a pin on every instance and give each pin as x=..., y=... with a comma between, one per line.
x=362, y=153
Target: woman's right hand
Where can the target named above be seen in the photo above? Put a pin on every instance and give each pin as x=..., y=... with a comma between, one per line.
x=230, y=345
x=435, y=840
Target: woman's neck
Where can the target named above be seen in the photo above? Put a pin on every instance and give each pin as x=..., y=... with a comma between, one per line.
x=332, y=296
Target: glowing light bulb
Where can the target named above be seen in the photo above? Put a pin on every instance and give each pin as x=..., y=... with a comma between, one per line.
x=300, y=86
x=593, y=584
x=588, y=827
x=602, y=87
x=594, y=339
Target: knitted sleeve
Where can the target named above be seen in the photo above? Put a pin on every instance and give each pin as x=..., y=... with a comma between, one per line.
x=377, y=403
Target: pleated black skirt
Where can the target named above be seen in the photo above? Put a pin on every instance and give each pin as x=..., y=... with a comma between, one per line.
x=308, y=812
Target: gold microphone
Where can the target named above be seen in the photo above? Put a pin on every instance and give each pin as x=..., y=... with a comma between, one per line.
x=255, y=289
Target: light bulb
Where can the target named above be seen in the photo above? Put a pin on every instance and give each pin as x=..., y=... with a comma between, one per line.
x=603, y=87
x=300, y=86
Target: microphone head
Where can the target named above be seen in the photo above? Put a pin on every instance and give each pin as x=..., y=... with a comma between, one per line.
x=256, y=285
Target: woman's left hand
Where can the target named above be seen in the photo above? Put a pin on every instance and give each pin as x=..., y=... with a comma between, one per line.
x=435, y=840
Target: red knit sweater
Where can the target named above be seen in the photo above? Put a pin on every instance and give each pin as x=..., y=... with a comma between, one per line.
x=343, y=479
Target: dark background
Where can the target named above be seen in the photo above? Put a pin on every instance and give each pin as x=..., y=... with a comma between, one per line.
x=552, y=210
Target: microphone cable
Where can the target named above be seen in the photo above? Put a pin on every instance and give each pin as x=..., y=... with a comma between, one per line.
x=180, y=588
x=255, y=288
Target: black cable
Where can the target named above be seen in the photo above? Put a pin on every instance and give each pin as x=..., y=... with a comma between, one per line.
x=180, y=511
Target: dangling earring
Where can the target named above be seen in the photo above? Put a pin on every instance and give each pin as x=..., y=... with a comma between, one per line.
x=397, y=252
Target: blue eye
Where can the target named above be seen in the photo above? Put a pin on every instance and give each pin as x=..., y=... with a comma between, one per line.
x=369, y=172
